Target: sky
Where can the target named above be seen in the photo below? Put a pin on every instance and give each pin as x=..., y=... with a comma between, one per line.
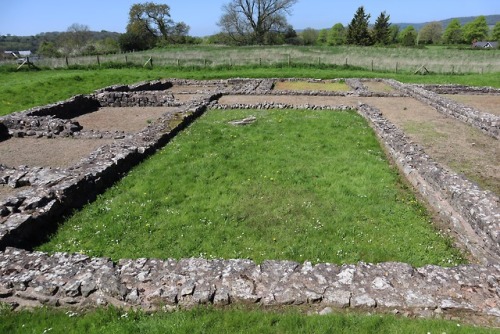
x=31, y=17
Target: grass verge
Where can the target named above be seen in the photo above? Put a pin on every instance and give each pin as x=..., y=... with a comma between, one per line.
x=294, y=185
x=209, y=320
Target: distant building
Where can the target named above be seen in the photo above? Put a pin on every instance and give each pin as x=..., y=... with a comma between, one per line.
x=485, y=45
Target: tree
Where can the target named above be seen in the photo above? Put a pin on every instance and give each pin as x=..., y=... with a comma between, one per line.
x=393, y=33
x=248, y=21
x=151, y=19
x=431, y=33
x=381, y=31
x=74, y=40
x=309, y=36
x=408, y=36
x=357, y=30
x=453, y=33
x=476, y=30
x=495, y=34
x=337, y=35
x=322, y=37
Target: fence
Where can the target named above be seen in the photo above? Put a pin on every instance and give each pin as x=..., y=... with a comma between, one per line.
x=374, y=59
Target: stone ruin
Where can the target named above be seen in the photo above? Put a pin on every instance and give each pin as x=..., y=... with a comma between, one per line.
x=40, y=196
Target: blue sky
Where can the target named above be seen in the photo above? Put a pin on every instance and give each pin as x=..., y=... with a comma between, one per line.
x=30, y=17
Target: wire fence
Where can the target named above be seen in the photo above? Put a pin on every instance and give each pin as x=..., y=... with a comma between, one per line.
x=391, y=60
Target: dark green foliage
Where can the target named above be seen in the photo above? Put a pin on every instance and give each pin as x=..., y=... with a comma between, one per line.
x=476, y=30
x=453, y=33
x=337, y=35
x=357, y=30
x=408, y=36
x=381, y=31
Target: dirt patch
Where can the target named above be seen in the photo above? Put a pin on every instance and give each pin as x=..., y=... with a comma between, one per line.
x=317, y=86
x=128, y=119
x=452, y=143
x=191, y=89
x=485, y=103
x=183, y=98
x=42, y=152
x=291, y=99
x=378, y=87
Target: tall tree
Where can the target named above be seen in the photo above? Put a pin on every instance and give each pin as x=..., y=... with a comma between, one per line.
x=394, y=33
x=431, y=33
x=357, y=30
x=248, y=21
x=322, y=37
x=156, y=21
x=408, y=36
x=476, y=30
x=75, y=38
x=495, y=33
x=453, y=33
x=381, y=31
x=309, y=36
x=337, y=35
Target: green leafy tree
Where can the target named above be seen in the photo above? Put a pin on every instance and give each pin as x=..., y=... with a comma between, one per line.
x=48, y=49
x=357, y=30
x=309, y=36
x=431, y=33
x=151, y=19
x=322, y=37
x=394, y=33
x=495, y=33
x=408, y=36
x=476, y=30
x=381, y=31
x=453, y=33
x=337, y=35
x=248, y=21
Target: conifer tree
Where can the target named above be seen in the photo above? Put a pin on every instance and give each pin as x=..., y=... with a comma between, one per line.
x=381, y=31
x=357, y=30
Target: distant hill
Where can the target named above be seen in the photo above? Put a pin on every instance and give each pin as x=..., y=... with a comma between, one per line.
x=490, y=19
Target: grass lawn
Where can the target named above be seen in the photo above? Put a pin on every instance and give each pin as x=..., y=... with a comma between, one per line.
x=294, y=185
x=207, y=320
x=304, y=85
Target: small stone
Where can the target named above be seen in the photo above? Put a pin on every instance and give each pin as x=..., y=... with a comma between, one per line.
x=326, y=311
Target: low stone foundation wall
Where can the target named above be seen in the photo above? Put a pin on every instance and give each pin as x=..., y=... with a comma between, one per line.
x=76, y=281
x=461, y=89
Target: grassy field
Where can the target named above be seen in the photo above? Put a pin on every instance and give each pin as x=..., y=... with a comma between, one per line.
x=203, y=320
x=436, y=59
x=26, y=89
x=295, y=185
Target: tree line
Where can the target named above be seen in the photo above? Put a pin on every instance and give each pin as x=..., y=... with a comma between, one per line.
x=255, y=22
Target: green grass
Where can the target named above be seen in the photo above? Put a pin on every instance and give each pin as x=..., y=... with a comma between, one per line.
x=304, y=85
x=209, y=320
x=295, y=185
x=26, y=89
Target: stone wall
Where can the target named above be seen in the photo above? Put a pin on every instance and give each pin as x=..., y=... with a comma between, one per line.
x=73, y=280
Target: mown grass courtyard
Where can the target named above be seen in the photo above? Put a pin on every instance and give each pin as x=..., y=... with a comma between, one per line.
x=295, y=185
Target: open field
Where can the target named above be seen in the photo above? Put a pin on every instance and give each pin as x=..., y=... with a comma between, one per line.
x=435, y=59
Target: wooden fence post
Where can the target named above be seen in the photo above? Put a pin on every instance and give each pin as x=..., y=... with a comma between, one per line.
x=67, y=63
x=372, y=65
x=346, y=61
x=397, y=63
x=126, y=60
x=98, y=61
x=289, y=60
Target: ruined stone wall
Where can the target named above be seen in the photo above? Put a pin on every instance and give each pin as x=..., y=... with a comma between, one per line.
x=75, y=281
x=487, y=123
